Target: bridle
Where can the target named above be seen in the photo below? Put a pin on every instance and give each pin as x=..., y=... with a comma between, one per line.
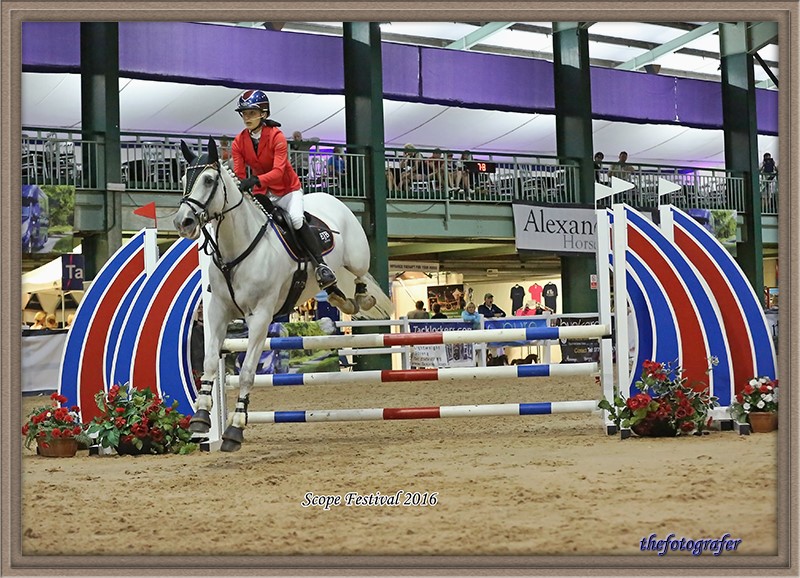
x=200, y=210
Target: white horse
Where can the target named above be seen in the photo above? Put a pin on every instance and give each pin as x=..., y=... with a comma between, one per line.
x=254, y=272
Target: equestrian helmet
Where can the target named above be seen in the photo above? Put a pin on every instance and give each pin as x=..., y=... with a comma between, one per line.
x=253, y=100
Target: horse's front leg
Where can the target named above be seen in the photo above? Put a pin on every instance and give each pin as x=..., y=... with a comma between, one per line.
x=257, y=325
x=215, y=324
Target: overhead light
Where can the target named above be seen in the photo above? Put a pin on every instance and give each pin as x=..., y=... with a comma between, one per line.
x=652, y=68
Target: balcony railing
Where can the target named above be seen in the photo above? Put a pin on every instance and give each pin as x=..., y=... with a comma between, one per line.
x=153, y=162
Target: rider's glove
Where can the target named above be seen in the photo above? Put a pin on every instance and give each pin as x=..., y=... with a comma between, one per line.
x=248, y=183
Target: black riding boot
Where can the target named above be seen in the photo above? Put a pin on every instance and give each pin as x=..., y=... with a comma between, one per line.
x=324, y=274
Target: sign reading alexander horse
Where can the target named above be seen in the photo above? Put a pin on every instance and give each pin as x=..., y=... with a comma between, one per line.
x=557, y=229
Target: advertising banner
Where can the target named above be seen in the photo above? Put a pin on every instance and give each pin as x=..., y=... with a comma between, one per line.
x=579, y=350
x=456, y=355
x=552, y=228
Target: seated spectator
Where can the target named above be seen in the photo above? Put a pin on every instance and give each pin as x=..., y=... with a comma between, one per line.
x=488, y=309
x=471, y=316
x=50, y=322
x=412, y=167
x=38, y=320
x=528, y=310
x=453, y=173
x=299, y=149
x=468, y=175
x=70, y=319
x=419, y=311
x=336, y=166
x=436, y=172
x=437, y=312
x=225, y=152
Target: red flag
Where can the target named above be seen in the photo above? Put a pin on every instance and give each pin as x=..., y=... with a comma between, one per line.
x=148, y=210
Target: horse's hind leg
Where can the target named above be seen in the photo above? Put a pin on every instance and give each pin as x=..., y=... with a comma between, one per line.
x=257, y=324
x=362, y=297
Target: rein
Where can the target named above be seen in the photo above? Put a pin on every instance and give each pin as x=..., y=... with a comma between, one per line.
x=211, y=245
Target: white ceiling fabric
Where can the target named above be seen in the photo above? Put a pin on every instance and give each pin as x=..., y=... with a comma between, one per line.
x=53, y=100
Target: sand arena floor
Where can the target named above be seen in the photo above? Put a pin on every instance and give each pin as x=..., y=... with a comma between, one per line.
x=539, y=485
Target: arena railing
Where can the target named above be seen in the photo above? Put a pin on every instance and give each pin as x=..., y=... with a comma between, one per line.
x=153, y=162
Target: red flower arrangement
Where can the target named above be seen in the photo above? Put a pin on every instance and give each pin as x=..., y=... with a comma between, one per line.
x=664, y=406
x=139, y=417
x=53, y=422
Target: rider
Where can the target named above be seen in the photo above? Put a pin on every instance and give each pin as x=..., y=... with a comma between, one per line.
x=262, y=148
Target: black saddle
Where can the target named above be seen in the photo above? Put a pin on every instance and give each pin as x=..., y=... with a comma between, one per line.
x=288, y=236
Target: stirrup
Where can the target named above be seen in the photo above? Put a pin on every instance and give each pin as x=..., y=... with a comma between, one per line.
x=325, y=276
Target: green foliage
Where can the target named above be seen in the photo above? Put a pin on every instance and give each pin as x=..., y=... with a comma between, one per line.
x=62, y=204
x=724, y=223
x=133, y=415
x=664, y=403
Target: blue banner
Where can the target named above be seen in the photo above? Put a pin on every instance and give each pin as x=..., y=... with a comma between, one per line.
x=513, y=323
x=72, y=272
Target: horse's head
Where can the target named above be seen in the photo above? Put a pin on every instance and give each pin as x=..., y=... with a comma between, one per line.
x=202, y=182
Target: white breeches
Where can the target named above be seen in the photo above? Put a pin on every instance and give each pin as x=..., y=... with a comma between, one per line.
x=292, y=203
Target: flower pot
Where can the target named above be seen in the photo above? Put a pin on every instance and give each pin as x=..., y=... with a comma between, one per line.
x=57, y=448
x=128, y=449
x=654, y=429
x=763, y=421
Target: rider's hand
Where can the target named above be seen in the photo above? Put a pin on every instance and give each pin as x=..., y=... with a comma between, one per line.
x=248, y=183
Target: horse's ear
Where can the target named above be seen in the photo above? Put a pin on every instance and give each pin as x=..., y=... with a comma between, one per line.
x=213, y=155
x=187, y=153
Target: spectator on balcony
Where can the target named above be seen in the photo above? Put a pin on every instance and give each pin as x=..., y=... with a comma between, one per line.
x=412, y=167
x=467, y=173
x=598, y=167
x=453, y=173
x=299, y=152
x=225, y=152
x=768, y=167
x=436, y=171
x=621, y=169
x=336, y=166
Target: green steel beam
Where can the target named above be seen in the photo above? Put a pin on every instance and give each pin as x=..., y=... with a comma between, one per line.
x=100, y=122
x=759, y=34
x=668, y=47
x=741, y=143
x=476, y=36
x=363, y=86
x=572, y=84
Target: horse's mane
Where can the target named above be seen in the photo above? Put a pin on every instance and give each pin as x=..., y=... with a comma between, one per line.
x=245, y=194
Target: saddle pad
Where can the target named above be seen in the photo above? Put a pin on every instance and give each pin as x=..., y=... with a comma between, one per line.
x=292, y=244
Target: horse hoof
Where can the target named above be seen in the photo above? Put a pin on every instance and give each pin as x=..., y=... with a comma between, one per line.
x=350, y=307
x=230, y=446
x=366, y=302
x=200, y=422
x=234, y=436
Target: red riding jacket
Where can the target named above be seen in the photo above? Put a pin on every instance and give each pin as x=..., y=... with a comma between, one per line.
x=271, y=163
